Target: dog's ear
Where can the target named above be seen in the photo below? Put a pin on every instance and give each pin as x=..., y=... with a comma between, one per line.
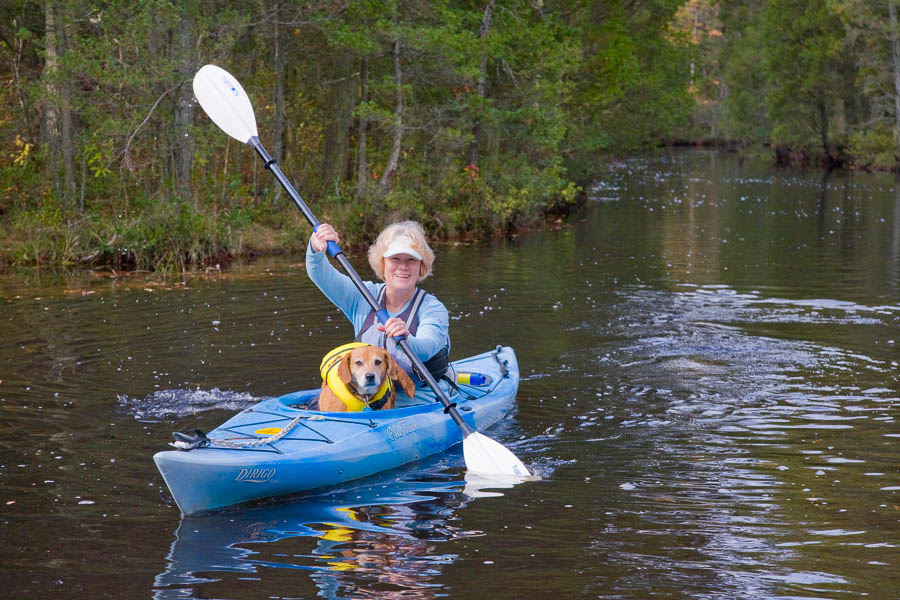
x=396, y=372
x=344, y=368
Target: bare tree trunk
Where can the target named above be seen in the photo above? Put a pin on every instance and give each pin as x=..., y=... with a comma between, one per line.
x=66, y=129
x=342, y=97
x=57, y=112
x=278, y=134
x=280, y=41
x=17, y=71
x=362, y=166
x=895, y=55
x=823, y=127
x=67, y=137
x=482, y=78
x=184, y=111
x=51, y=107
x=394, y=157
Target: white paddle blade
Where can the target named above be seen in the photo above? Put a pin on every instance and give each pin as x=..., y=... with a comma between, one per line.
x=487, y=457
x=226, y=102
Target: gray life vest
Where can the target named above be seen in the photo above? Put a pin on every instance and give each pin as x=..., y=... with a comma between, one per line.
x=368, y=334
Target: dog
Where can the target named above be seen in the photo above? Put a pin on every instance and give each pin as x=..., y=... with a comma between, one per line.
x=363, y=371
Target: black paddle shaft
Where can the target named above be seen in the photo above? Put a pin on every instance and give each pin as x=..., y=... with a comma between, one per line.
x=335, y=252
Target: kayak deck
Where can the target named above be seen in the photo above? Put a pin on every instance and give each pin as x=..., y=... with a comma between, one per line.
x=275, y=447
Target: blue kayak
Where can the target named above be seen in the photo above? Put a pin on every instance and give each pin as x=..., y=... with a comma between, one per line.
x=277, y=447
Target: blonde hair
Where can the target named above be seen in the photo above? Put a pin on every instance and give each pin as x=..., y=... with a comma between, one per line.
x=416, y=235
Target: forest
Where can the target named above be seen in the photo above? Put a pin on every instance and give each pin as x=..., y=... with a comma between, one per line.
x=471, y=116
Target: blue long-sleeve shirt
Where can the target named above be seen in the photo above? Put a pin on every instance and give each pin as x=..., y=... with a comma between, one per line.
x=433, y=332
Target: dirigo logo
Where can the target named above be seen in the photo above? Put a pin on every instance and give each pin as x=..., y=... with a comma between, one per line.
x=255, y=475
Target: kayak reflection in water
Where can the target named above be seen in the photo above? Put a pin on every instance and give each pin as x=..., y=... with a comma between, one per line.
x=362, y=541
x=401, y=258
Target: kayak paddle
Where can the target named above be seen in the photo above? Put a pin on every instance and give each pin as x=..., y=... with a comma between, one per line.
x=226, y=103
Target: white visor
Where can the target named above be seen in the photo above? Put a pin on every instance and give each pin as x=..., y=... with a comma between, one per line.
x=402, y=245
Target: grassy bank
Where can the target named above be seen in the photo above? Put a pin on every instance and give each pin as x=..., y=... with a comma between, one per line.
x=146, y=236
x=167, y=237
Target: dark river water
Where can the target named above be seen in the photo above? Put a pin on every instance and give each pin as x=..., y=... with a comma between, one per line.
x=710, y=391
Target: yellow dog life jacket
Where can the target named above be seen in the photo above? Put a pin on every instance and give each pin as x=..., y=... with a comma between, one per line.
x=329, y=371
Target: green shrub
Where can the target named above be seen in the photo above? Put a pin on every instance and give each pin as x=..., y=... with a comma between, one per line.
x=875, y=148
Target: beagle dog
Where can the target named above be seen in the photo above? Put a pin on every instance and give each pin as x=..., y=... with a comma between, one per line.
x=362, y=377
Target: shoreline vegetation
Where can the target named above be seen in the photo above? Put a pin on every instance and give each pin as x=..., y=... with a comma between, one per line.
x=474, y=118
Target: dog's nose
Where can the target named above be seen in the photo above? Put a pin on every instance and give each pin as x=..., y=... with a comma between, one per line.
x=370, y=378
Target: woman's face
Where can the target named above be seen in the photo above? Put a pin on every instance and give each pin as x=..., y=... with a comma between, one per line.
x=401, y=272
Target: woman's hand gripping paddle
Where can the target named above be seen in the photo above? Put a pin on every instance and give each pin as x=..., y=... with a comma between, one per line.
x=226, y=103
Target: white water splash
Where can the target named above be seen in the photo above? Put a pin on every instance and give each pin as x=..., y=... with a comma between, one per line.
x=167, y=404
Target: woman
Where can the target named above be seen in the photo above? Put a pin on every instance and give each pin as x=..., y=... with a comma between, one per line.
x=401, y=258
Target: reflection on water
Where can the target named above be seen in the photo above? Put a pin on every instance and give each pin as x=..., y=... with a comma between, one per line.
x=771, y=455
x=710, y=389
x=381, y=538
